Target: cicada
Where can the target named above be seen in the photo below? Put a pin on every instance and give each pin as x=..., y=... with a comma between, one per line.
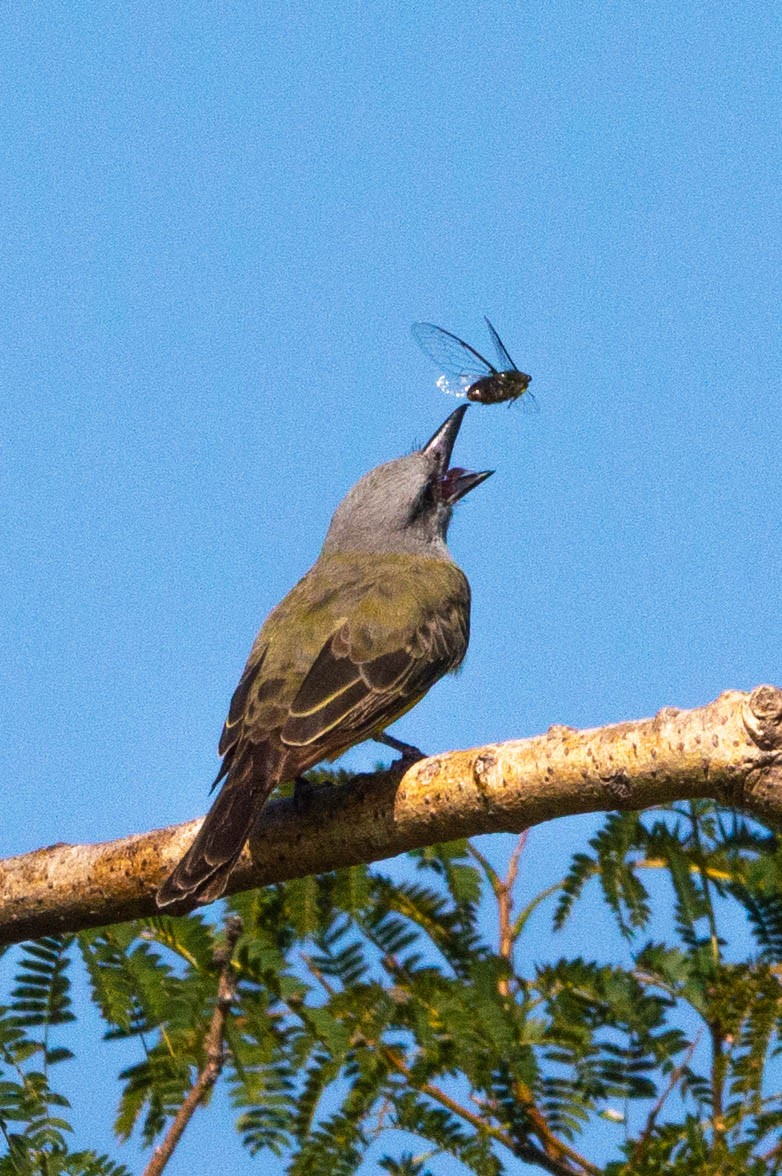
x=469, y=374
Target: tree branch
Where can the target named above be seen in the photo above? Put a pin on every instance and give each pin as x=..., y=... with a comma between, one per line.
x=730, y=750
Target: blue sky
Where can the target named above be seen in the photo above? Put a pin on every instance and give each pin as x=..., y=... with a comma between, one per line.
x=219, y=222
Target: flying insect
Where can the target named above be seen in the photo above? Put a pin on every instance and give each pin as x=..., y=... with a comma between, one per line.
x=467, y=373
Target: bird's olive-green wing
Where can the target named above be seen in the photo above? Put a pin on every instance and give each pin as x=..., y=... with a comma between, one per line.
x=350, y=648
x=350, y=692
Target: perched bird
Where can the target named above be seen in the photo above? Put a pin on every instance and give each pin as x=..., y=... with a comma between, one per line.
x=382, y=614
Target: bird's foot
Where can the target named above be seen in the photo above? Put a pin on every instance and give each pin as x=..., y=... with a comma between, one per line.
x=408, y=753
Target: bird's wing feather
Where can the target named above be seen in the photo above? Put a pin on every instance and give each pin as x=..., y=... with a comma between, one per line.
x=204, y=869
x=239, y=700
x=349, y=688
x=352, y=670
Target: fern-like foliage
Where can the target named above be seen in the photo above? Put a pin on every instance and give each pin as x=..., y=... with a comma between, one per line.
x=371, y=1011
x=33, y=1120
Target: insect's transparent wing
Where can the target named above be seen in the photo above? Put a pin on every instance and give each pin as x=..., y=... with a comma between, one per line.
x=526, y=402
x=455, y=385
x=450, y=353
x=506, y=363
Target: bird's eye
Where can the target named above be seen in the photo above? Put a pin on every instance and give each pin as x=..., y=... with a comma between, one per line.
x=425, y=500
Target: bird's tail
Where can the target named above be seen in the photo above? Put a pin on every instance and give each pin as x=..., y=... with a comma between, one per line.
x=203, y=872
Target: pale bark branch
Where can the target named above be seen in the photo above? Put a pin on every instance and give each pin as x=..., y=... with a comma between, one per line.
x=729, y=750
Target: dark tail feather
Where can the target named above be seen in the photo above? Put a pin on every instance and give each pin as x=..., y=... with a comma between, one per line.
x=203, y=872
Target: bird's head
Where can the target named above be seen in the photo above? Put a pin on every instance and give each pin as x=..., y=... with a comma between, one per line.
x=405, y=505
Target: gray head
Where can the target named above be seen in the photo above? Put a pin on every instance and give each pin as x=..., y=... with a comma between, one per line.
x=405, y=505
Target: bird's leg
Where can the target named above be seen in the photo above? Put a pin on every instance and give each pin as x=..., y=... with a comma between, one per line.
x=302, y=790
x=409, y=753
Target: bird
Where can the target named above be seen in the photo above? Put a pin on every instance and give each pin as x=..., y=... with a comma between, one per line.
x=382, y=614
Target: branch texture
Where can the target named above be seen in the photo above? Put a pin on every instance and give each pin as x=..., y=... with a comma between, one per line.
x=729, y=750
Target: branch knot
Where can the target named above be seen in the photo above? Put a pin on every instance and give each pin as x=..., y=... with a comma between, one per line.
x=762, y=715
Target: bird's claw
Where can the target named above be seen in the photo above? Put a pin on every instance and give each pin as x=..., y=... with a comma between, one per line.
x=408, y=753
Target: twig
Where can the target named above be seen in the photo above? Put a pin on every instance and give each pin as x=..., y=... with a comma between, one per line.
x=718, y=1067
x=524, y=1150
x=550, y=1156
x=774, y=1153
x=556, y=1159
x=704, y=877
x=214, y=1047
x=486, y=866
x=313, y=968
x=505, y=904
x=673, y=1080
x=509, y=932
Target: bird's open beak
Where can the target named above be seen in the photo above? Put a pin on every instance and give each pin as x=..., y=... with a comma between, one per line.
x=442, y=443
x=454, y=483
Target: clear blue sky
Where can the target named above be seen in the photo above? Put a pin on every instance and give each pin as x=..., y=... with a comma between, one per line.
x=219, y=222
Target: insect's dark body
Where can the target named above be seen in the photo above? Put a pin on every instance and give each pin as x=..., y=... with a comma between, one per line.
x=469, y=374
x=499, y=387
